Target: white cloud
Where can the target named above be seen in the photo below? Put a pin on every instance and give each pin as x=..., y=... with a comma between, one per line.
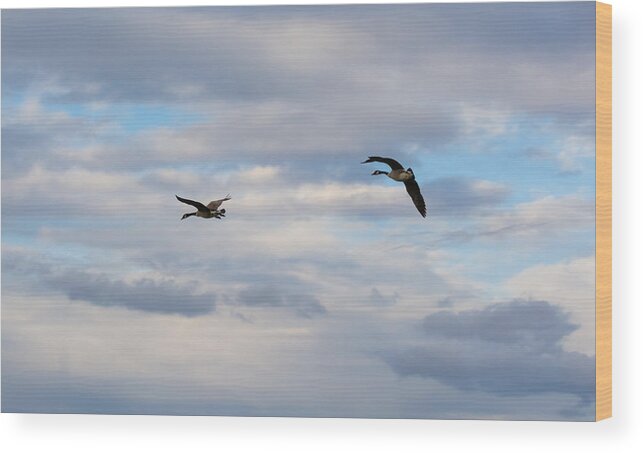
x=543, y=217
x=573, y=149
x=570, y=285
x=478, y=120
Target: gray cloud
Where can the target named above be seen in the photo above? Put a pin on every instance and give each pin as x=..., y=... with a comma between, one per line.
x=272, y=295
x=507, y=349
x=459, y=196
x=537, y=323
x=445, y=302
x=165, y=296
x=378, y=299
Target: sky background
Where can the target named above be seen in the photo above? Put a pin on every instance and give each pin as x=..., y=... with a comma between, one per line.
x=323, y=292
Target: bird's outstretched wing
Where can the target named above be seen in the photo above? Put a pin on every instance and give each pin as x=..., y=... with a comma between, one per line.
x=216, y=203
x=199, y=206
x=395, y=165
x=418, y=200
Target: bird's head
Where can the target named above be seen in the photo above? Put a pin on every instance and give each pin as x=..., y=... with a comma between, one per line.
x=410, y=170
x=185, y=216
x=378, y=172
x=222, y=211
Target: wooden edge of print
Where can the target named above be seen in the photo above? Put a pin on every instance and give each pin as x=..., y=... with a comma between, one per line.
x=603, y=211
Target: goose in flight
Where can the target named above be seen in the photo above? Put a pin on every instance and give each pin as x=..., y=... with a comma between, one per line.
x=398, y=173
x=207, y=212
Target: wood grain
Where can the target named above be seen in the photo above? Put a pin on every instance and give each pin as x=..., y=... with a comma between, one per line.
x=603, y=211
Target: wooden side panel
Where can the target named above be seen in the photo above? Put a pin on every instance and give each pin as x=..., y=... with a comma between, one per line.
x=603, y=211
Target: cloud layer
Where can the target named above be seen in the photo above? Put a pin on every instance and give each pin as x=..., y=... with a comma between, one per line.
x=508, y=348
x=164, y=295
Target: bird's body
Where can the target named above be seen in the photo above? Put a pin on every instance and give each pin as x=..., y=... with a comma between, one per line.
x=205, y=215
x=398, y=173
x=203, y=211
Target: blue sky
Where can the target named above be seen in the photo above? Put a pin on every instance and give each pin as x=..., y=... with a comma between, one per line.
x=323, y=292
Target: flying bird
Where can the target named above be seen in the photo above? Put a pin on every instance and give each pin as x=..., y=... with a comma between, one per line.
x=398, y=173
x=207, y=212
